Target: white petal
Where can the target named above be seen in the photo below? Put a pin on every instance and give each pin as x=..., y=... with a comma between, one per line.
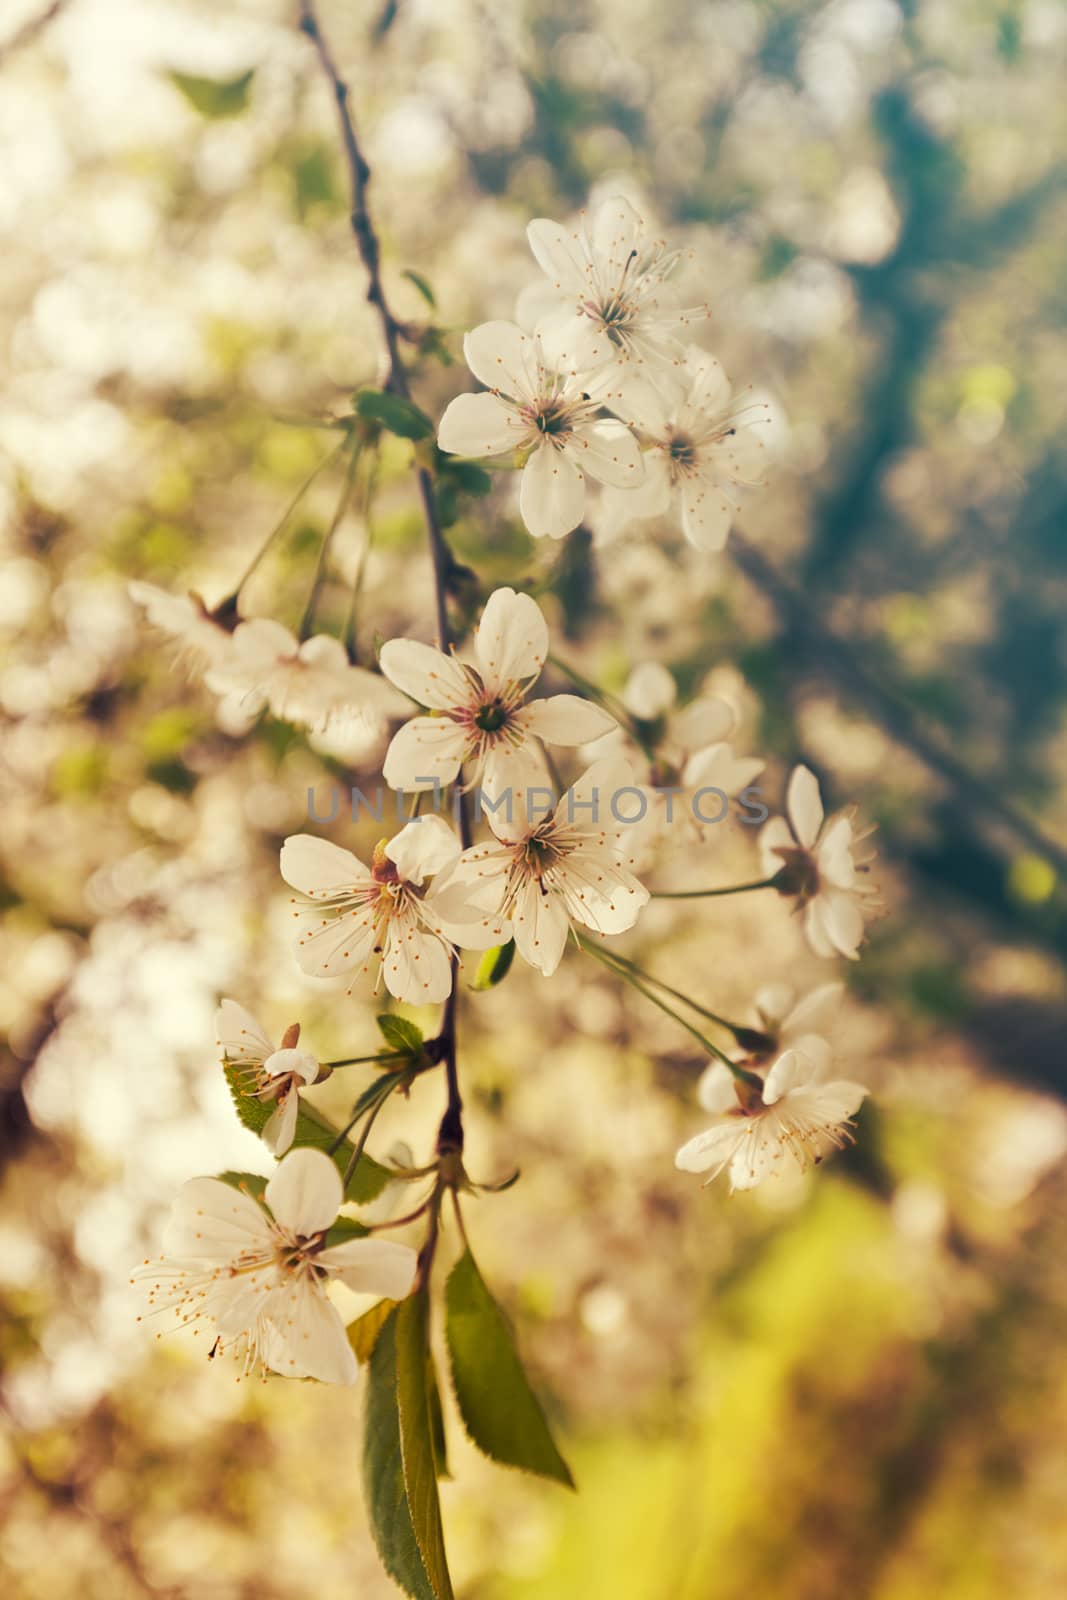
x=304, y=1194
x=323, y=650
x=804, y=805
x=540, y=925
x=707, y=512
x=559, y=253
x=311, y=1341
x=240, y=1035
x=719, y=768
x=503, y=357
x=616, y=231
x=773, y=1001
x=650, y=691
x=212, y=1221
x=424, y=749
x=712, y=1148
x=816, y=1012
x=843, y=923
x=539, y=302
x=702, y=723
x=422, y=848
x=774, y=836
x=429, y=676
x=517, y=769
x=715, y=1090
x=609, y=452
x=588, y=802
x=834, y=856
x=297, y=1062
x=480, y=425
x=511, y=643
x=280, y=1126
x=815, y=929
x=372, y=1266
x=416, y=964
x=551, y=493
x=642, y=405
x=337, y=943
x=263, y=642
x=709, y=386
x=567, y=719
x=791, y=1071
x=319, y=868
x=572, y=343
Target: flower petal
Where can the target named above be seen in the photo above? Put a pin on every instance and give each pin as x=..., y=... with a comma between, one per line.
x=318, y=867
x=416, y=964
x=711, y=1149
x=608, y=451
x=480, y=425
x=430, y=677
x=280, y=1126
x=816, y=1012
x=422, y=848
x=567, y=719
x=703, y=722
x=551, y=493
x=709, y=387
x=803, y=804
x=338, y=943
x=304, y=1193
x=372, y=1266
x=707, y=512
x=240, y=1035
x=422, y=751
x=503, y=357
x=311, y=1341
x=715, y=1090
x=540, y=925
x=560, y=254
x=774, y=836
x=511, y=644
x=213, y=1221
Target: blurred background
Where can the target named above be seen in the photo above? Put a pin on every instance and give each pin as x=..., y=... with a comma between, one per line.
x=853, y=1384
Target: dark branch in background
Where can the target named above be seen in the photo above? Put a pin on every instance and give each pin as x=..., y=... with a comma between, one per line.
x=29, y=30
x=823, y=648
x=450, y=1136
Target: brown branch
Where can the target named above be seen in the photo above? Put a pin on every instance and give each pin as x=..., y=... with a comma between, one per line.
x=30, y=29
x=450, y=1137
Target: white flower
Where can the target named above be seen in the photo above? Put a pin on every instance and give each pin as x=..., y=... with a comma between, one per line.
x=607, y=298
x=274, y=1072
x=551, y=413
x=310, y=684
x=698, y=453
x=798, y=1116
x=260, y=1277
x=386, y=918
x=480, y=710
x=571, y=866
x=819, y=868
x=186, y=619
x=782, y=1022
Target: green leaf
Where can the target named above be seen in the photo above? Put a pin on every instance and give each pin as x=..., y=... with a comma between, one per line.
x=471, y=478
x=215, y=97
x=346, y=1228
x=417, y=1426
x=312, y=1128
x=422, y=286
x=384, y=1489
x=400, y=1034
x=437, y=1419
x=501, y=1412
x=252, y=1183
x=494, y=966
x=398, y=415
x=363, y=1333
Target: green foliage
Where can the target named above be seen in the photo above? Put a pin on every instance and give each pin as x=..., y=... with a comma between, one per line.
x=394, y=413
x=215, y=98
x=501, y=1412
x=422, y=286
x=494, y=966
x=252, y=1183
x=400, y=1034
x=399, y=1466
x=312, y=1128
x=363, y=1332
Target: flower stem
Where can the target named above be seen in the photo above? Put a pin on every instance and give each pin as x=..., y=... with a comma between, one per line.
x=705, y=894
x=348, y=637
x=324, y=549
x=361, y=1142
x=607, y=960
x=327, y=461
x=362, y=1061
x=735, y=1028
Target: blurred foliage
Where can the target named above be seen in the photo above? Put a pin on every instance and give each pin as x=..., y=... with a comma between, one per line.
x=855, y=1387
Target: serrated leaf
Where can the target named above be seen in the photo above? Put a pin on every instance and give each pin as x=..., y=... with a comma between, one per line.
x=400, y=1034
x=422, y=286
x=363, y=1333
x=384, y=1489
x=437, y=1419
x=500, y=1410
x=215, y=97
x=252, y=1183
x=346, y=1228
x=417, y=1437
x=494, y=966
x=398, y=415
x=312, y=1128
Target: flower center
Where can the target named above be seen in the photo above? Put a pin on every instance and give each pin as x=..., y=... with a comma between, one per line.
x=553, y=419
x=682, y=451
x=492, y=716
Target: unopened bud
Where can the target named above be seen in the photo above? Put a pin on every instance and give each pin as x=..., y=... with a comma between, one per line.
x=291, y=1037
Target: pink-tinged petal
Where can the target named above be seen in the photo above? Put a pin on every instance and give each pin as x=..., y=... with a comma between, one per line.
x=709, y=387
x=212, y=1221
x=560, y=254
x=280, y=1127
x=650, y=691
x=803, y=803
x=836, y=865
x=480, y=425
x=503, y=357
x=551, y=493
x=319, y=868
x=774, y=836
x=609, y=452
x=711, y=1149
x=422, y=751
x=511, y=642
x=372, y=1266
x=707, y=512
x=430, y=677
x=540, y=925
x=704, y=722
x=239, y=1034
x=715, y=1090
x=311, y=1338
x=566, y=719
x=304, y=1193
x=416, y=964
x=423, y=847
x=816, y=1012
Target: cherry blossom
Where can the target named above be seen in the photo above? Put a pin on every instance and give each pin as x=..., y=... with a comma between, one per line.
x=258, y=1274
x=816, y=864
x=386, y=919
x=200, y=639
x=479, y=712
x=571, y=866
x=798, y=1115
x=782, y=1022
x=550, y=415
x=271, y=1072
x=312, y=684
